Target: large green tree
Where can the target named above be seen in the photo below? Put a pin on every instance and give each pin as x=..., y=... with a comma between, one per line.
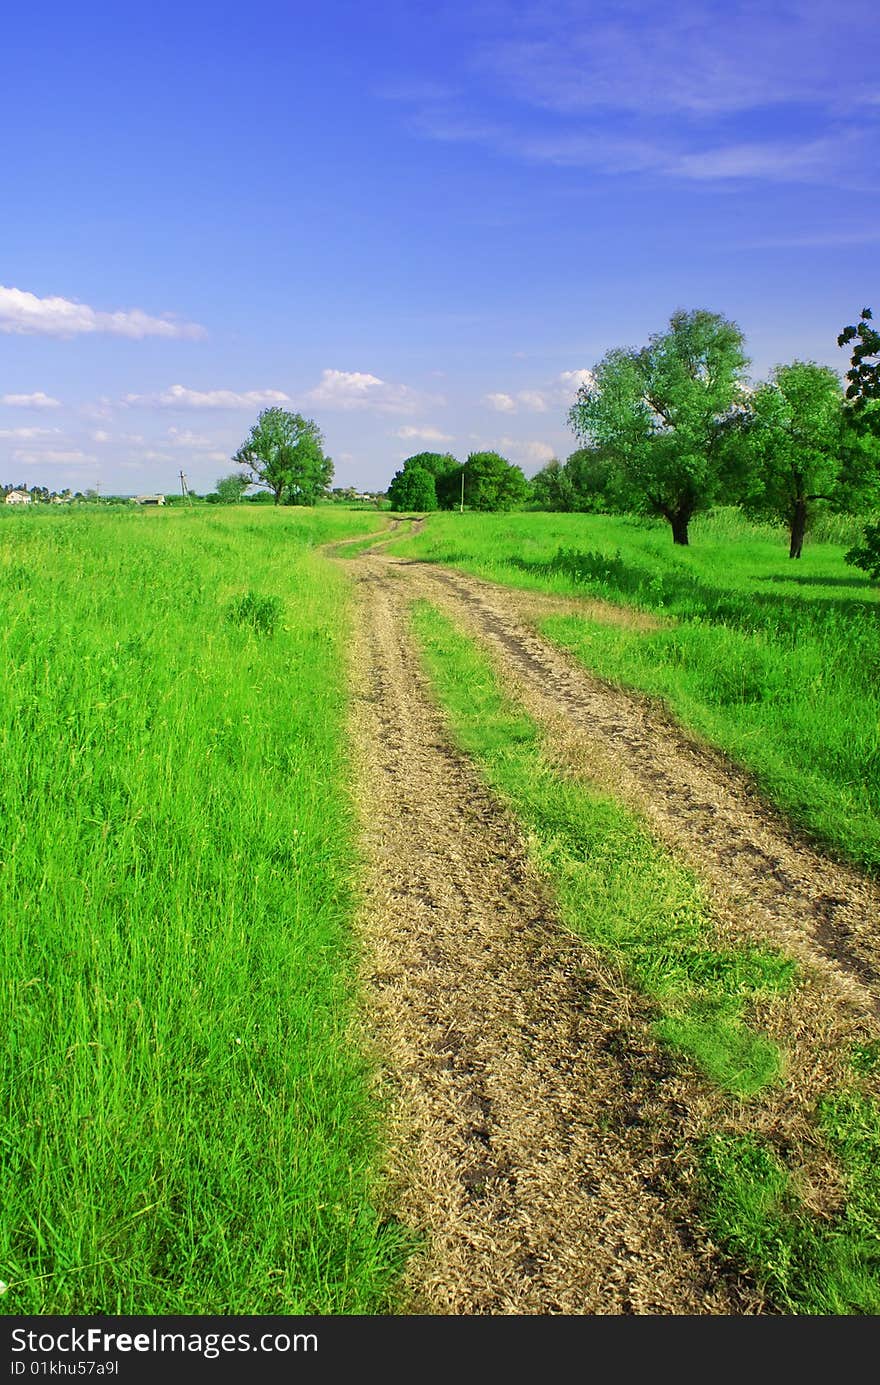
x=794, y=438
x=491, y=482
x=662, y=415
x=284, y=453
x=412, y=488
x=404, y=491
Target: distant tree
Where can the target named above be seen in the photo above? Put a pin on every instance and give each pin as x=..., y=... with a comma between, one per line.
x=552, y=488
x=284, y=453
x=491, y=482
x=230, y=489
x=413, y=488
x=660, y=414
x=794, y=437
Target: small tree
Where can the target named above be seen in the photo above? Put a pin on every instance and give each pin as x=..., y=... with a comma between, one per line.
x=794, y=438
x=230, y=489
x=284, y=453
x=661, y=414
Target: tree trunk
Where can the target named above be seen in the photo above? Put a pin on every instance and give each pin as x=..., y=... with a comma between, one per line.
x=798, y=528
x=679, y=520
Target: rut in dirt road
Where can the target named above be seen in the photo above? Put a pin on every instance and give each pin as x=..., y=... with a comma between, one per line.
x=822, y=911
x=536, y=1124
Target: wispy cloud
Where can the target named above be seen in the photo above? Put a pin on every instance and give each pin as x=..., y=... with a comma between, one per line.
x=38, y=400
x=675, y=91
x=28, y=434
x=179, y=397
x=501, y=403
x=185, y=437
x=538, y=401
x=686, y=57
x=26, y=314
x=412, y=434
x=53, y=457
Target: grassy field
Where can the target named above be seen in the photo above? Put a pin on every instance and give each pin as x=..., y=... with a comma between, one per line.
x=774, y=661
x=186, y=1123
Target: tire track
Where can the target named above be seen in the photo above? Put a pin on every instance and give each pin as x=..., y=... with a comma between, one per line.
x=539, y=1134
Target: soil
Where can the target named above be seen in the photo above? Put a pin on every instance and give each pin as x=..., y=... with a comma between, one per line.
x=542, y=1143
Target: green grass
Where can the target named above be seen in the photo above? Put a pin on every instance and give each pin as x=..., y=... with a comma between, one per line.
x=187, y=1123
x=819, y=1266
x=626, y=896
x=615, y=885
x=776, y=662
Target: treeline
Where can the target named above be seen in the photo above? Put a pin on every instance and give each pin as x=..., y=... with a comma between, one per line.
x=673, y=428
x=437, y=481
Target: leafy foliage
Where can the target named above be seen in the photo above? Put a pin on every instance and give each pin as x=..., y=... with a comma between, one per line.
x=794, y=438
x=864, y=372
x=493, y=483
x=663, y=415
x=284, y=453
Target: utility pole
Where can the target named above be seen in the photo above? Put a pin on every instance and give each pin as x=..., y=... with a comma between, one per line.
x=462, y=490
x=184, y=488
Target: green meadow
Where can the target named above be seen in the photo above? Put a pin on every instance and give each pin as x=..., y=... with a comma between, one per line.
x=187, y=1125
x=775, y=661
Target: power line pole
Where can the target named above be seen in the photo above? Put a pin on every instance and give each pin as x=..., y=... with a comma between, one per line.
x=462, y=491
x=184, y=488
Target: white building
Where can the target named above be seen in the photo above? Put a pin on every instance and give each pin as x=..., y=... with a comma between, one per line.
x=18, y=498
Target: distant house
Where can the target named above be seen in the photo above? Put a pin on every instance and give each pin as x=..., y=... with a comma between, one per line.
x=149, y=500
x=18, y=498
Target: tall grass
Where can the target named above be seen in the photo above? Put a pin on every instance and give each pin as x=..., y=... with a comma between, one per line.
x=186, y=1123
x=777, y=662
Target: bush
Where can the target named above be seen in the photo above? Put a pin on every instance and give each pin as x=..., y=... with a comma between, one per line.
x=261, y=613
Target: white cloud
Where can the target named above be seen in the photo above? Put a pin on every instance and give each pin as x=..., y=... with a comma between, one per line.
x=422, y=434
x=355, y=389
x=572, y=380
x=39, y=400
x=533, y=400
x=24, y=313
x=502, y=403
x=184, y=437
x=179, y=397
x=100, y=436
x=27, y=434
x=524, y=452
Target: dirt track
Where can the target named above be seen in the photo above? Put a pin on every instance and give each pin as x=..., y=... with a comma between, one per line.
x=541, y=1137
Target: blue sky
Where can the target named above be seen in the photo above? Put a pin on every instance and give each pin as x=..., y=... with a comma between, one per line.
x=417, y=225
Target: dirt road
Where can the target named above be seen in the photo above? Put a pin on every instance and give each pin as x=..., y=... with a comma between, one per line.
x=541, y=1139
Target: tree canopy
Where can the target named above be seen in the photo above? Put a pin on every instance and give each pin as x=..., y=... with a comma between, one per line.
x=413, y=488
x=230, y=489
x=284, y=453
x=661, y=414
x=418, y=483
x=491, y=482
x=863, y=376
